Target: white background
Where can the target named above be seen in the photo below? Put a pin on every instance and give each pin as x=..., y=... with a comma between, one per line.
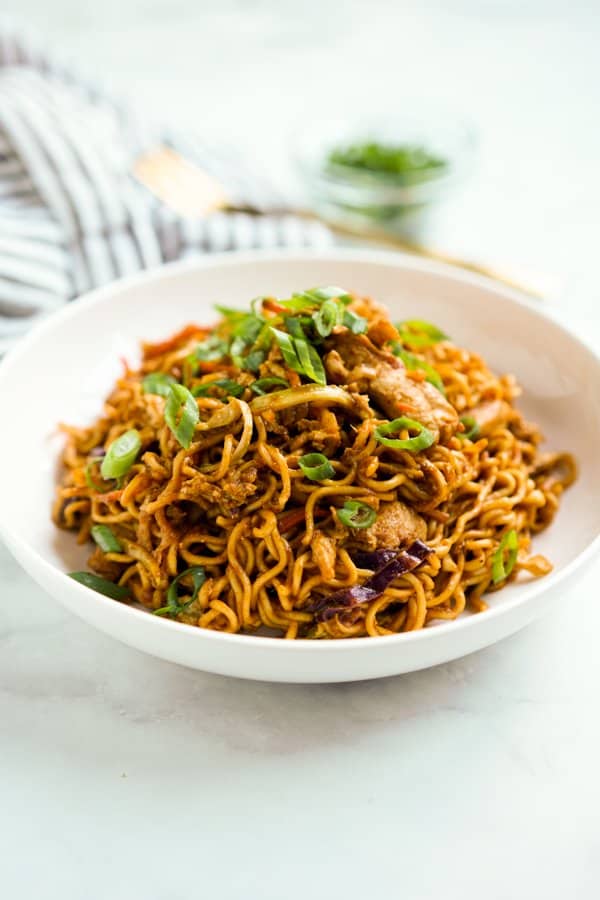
x=125, y=778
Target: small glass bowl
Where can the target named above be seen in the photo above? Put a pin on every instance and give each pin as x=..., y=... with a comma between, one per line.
x=367, y=202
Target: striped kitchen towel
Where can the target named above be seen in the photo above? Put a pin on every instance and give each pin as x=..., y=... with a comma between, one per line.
x=73, y=217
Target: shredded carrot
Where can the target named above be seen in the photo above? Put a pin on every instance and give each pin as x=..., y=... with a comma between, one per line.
x=152, y=350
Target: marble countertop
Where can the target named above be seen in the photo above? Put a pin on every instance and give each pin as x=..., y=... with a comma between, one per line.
x=127, y=778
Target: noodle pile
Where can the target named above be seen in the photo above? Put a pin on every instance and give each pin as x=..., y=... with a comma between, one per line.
x=259, y=545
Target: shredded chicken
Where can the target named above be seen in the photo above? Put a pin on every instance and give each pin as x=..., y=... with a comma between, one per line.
x=323, y=552
x=396, y=525
x=354, y=360
x=491, y=415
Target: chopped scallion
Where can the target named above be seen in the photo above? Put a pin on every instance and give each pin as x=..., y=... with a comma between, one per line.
x=158, y=383
x=102, y=585
x=316, y=466
x=420, y=441
x=122, y=454
x=418, y=333
x=226, y=386
x=106, y=539
x=412, y=362
x=472, y=429
x=356, y=514
x=181, y=414
x=174, y=605
x=264, y=385
x=502, y=564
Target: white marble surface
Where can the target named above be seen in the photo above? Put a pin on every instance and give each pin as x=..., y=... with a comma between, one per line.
x=126, y=778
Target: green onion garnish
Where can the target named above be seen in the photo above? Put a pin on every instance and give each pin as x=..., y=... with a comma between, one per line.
x=264, y=385
x=122, y=454
x=423, y=438
x=501, y=569
x=232, y=315
x=310, y=361
x=316, y=466
x=322, y=294
x=327, y=317
x=286, y=345
x=294, y=326
x=300, y=356
x=299, y=302
x=89, y=480
x=355, y=514
x=226, y=385
x=315, y=297
x=158, y=383
x=181, y=414
x=174, y=607
x=412, y=362
x=106, y=539
x=412, y=162
x=245, y=334
x=253, y=360
x=472, y=432
x=213, y=348
x=418, y=333
x=102, y=585
x=357, y=324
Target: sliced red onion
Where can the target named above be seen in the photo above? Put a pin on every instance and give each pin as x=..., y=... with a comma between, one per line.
x=401, y=562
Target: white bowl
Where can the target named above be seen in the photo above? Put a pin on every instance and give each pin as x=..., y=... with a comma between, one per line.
x=62, y=371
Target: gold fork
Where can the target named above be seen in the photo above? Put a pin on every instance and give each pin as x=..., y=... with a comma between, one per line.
x=191, y=192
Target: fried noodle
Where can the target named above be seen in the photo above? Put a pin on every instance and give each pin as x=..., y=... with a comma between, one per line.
x=271, y=543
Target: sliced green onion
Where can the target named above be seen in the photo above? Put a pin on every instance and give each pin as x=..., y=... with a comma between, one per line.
x=412, y=362
x=102, y=585
x=106, y=539
x=253, y=360
x=249, y=327
x=89, y=480
x=226, y=385
x=232, y=315
x=315, y=297
x=294, y=326
x=181, y=414
x=122, y=453
x=310, y=361
x=236, y=348
x=355, y=514
x=357, y=324
x=299, y=302
x=212, y=349
x=327, y=317
x=423, y=438
x=158, y=383
x=418, y=333
x=300, y=356
x=330, y=293
x=286, y=345
x=316, y=466
x=174, y=606
x=264, y=385
x=501, y=569
x=472, y=432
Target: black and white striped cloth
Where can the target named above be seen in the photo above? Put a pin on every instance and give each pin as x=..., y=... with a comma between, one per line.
x=72, y=217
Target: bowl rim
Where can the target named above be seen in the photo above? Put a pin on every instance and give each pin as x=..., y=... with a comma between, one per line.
x=401, y=260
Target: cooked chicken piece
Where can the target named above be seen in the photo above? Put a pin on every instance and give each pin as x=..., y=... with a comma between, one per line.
x=323, y=552
x=396, y=524
x=491, y=415
x=354, y=360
